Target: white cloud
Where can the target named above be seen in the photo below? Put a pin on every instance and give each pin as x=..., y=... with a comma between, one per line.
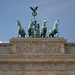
x=1, y=42
x=4, y=42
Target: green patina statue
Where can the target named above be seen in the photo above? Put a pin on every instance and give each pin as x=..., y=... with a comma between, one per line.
x=34, y=13
x=21, y=31
x=34, y=30
x=30, y=29
x=43, y=29
x=54, y=30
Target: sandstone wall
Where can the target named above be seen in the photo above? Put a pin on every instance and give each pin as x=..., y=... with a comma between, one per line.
x=70, y=48
x=37, y=65
x=43, y=56
x=5, y=48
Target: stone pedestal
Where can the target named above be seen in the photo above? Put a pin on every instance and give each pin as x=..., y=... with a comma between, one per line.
x=36, y=56
x=38, y=46
x=15, y=64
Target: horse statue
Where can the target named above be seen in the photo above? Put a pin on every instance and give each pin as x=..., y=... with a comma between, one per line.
x=30, y=29
x=43, y=29
x=21, y=31
x=54, y=30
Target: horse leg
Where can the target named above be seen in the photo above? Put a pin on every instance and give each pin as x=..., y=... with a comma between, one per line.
x=24, y=35
x=58, y=34
x=18, y=34
x=49, y=35
x=40, y=35
x=52, y=36
x=43, y=35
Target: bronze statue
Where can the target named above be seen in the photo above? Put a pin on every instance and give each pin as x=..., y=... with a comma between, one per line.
x=34, y=9
x=21, y=31
x=34, y=13
x=43, y=29
x=34, y=30
x=30, y=29
x=54, y=30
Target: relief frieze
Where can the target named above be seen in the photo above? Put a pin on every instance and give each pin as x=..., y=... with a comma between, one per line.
x=36, y=48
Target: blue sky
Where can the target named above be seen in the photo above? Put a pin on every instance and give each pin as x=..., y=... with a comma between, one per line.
x=13, y=10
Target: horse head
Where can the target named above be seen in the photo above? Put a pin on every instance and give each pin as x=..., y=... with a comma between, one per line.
x=44, y=21
x=56, y=23
x=43, y=29
x=30, y=24
x=18, y=23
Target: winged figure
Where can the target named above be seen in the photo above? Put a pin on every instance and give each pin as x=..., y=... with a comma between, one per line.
x=33, y=9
